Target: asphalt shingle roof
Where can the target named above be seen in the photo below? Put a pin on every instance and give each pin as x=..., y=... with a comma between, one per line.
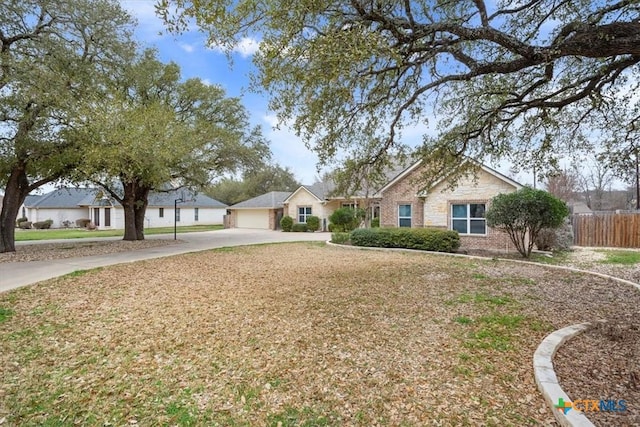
x=169, y=198
x=72, y=197
x=66, y=197
x=271, y=200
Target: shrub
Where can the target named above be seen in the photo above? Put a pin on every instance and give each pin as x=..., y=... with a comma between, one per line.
x=91, y=226
x=346, y=219
x=41, y=225
x=25, y=225
x=426, y=239
x=66, y=223
x=300, y=227
x=313, y=223
x=286, y=222
x=526, y=212
x=82, y=222
x=340, y=238
x=19, y=220
x=560, y=238
x=375, y=223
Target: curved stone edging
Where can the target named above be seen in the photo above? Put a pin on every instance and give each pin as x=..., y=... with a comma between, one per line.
x=546, y=378
x=543, y=371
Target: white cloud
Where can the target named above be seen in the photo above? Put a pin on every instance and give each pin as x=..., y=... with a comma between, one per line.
x=189, y=48
x=246, y=47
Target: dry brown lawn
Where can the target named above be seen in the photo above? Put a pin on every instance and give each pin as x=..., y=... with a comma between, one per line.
x=292, y=334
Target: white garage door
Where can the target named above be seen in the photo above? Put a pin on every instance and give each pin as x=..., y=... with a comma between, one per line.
x=254, y=218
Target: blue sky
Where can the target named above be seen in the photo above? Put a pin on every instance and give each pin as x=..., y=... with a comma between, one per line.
x=196, y=60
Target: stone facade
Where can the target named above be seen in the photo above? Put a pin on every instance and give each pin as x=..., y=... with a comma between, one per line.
x=433, y=209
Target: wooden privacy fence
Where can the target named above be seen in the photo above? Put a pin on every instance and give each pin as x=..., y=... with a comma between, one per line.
x=607, y=230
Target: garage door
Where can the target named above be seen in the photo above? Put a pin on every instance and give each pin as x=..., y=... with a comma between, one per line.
x=254, y=218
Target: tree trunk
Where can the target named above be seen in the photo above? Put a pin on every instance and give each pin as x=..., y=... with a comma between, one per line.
x=140, y=208
x=129, y=219
x=14, y=194
x=134, y=202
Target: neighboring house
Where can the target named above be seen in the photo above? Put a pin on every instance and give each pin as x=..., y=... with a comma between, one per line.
x=262, y=212
x=401, y=203
x=66, y=205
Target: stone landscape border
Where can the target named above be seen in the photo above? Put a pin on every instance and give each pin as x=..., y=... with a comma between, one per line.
x=543, y=371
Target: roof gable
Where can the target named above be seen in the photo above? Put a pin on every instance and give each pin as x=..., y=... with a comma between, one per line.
x=415, y=165
x=303, y=188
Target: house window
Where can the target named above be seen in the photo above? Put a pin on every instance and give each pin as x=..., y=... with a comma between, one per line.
x=303, y=213
x=468, y=218
x=107, y=217
x=96, y=217
x=195, y=214
x=404, y=216
x=161, y=212
x=349, y=205
x=177, y=214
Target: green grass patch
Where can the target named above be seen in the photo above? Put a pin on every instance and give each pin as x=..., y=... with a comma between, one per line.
x=463, y=320
x=493, y=331
x=78, y=233
x=5, y=314
x=621, y=257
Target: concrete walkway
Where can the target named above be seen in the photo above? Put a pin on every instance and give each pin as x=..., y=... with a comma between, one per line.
x=17, y=274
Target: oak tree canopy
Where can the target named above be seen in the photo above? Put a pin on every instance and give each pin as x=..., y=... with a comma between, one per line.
x=516, y=80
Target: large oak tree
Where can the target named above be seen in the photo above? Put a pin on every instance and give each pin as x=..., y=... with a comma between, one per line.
x=152, y=131
x=53, y=54
x=506, y=79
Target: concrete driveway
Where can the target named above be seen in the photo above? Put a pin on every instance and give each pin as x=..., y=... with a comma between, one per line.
x=17, y=274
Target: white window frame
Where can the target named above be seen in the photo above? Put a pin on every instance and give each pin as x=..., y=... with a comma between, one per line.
x=305, y=214
x=410, y=217
x=468, y=218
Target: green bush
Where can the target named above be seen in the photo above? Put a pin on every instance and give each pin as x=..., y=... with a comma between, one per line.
x=340, y=238
x=346, y=219
x=41, y=225
x=523, y=214
x=375, y=223
x=313, y=223
x=82, y=222
x=25, y=225
x=286, y=223
x=19, y=220
x=300, y=227
x=426, y=239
